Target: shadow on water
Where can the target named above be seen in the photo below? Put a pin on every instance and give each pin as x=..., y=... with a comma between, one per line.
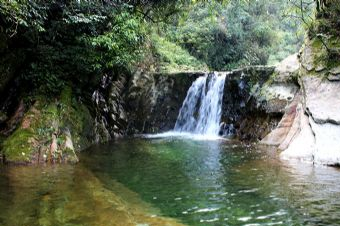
x=155, y=181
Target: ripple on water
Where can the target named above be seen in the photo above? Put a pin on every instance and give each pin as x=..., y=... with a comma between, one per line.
x=198, y=182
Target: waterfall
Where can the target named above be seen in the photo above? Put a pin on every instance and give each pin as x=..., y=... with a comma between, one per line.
x=202, y=108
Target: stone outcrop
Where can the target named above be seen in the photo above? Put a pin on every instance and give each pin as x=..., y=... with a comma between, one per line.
x=50, y=131
x=254, y=101
x=283, y=96
x=154, y=100
x=249, y=111
x=318, y=137
x=110, y=109
x=310, y=128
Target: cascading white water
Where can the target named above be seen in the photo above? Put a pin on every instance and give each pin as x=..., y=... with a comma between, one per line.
x=202, y=107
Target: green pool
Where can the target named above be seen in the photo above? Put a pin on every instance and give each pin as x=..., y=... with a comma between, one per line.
x=171, y=181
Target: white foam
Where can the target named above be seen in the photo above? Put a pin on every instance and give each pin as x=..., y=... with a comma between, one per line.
x=184, y=135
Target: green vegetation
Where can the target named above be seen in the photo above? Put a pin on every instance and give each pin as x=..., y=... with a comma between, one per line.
x=235, y=34
x=55, y=53
x=173, y=58
x=77, y=41
x=32, y=140
x=19, y=147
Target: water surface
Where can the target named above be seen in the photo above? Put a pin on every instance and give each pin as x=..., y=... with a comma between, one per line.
x=171, y=181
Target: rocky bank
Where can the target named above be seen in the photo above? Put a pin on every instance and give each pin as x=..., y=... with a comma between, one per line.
x=293, y=106
x=310, y=128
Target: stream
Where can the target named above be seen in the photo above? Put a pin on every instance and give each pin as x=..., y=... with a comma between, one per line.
x=171, y=181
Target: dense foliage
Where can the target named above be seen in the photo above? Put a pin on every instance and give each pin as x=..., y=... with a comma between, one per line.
x=73, y=42
x=76, y=41
x=238, y=33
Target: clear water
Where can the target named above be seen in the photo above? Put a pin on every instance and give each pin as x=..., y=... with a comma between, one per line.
x=202, y=108
x=171, y=181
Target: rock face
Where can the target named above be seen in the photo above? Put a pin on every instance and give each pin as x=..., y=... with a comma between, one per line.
x=322, y=99
x=249, y=111
x=243, y=107
x=319, y=138
x=154, y=100
x=110, y=111
x=287, y=106
x=310, y=128
x=284, y=97
x=50, y=131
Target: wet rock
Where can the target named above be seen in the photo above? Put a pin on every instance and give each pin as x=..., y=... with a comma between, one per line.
x=311, y=133
x=68, y=149
x=227, y=130
x=110, y=108
x=313, y=142
x=154, y=100
x=50, y=133
x=278, y=96
x=280, y=91
x=295, y=127
x=53, y=149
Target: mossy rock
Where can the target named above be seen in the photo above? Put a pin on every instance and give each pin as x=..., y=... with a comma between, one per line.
x=32, y=140
x=19, y=147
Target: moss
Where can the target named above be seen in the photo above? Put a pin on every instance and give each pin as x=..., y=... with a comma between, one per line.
x=45, y=118
x=322, y=57
x=84, y=127
x=333, y=63
x=19, y=146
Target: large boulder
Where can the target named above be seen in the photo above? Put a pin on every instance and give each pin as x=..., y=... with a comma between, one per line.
x=319, y=137
x=322, y=99
x=310, y=128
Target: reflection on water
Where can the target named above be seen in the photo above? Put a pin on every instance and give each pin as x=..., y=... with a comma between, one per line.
x=70, y=196
x=148, y=182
